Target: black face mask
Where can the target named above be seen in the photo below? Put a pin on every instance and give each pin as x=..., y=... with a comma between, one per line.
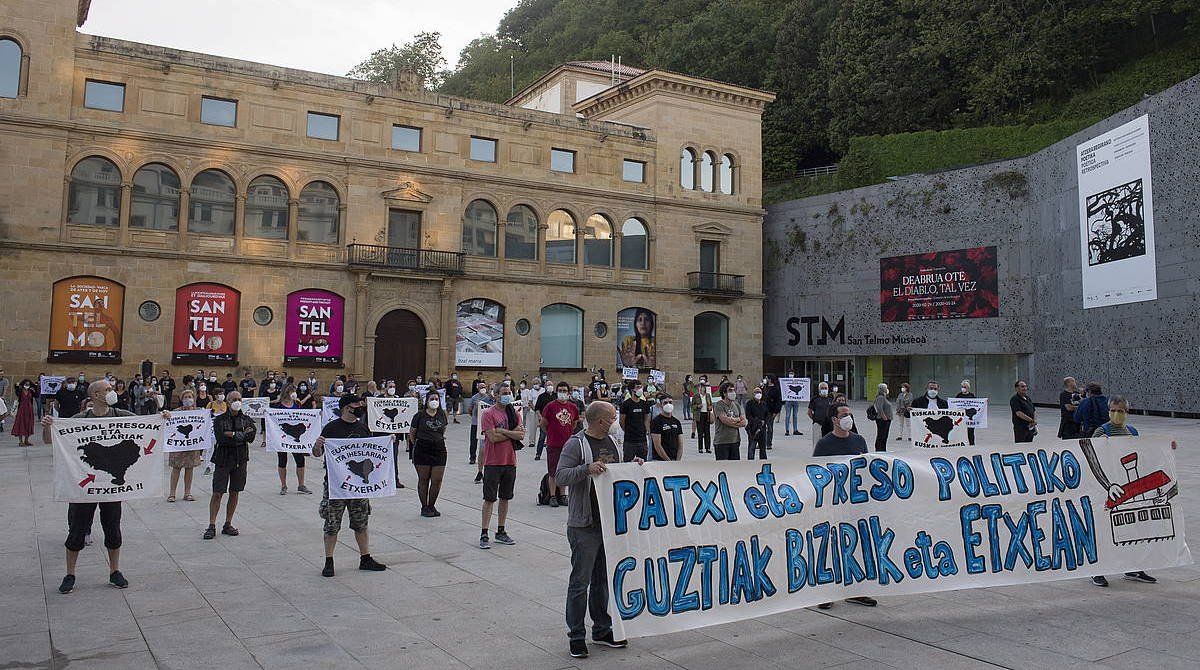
x=359, y=412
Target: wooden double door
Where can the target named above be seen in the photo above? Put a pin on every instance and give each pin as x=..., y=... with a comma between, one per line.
x=399, y=347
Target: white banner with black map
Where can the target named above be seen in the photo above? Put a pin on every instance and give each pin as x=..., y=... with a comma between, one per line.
x=1116, y=216
x=108, y=459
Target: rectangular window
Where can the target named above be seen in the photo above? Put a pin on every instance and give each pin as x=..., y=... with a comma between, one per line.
x=104, y=95
x=634, y=171
x=483, y=149
x=218, y=111
x=323, y=126
x=562, y=160
x=406, y=138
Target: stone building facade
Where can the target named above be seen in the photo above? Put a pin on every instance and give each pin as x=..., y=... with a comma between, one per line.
x=156, y=168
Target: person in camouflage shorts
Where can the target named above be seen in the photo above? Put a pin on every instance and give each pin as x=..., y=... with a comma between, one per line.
x=332, y=511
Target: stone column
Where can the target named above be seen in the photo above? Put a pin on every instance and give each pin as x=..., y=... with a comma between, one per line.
x=449, y=334
x=579, y=237
x=185, y=203
x=541, y=248
x=126, y=207
x=293, y=226
x=239, y=221
x=500, y=244
x=616, y=255
x=362, y=286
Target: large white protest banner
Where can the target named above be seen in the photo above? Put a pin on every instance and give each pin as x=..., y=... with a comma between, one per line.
x=391, y=414
x=256, y=407
x=293, y=430
x=188, y=430
x=795, y=389
x=360, y=467
x=702, y=543
x=329, y=408
x=1116, y=216
x=936, y=427
x=976, y=410
x=49, y=385
x=108, y=459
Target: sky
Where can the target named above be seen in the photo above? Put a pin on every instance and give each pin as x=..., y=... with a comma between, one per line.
x=329, y=36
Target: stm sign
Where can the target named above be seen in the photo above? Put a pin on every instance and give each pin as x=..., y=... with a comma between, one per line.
x=828, y=333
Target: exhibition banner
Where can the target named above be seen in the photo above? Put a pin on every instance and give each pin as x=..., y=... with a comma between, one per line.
x=795, y=389
x=391, y=414
x=49, y=385
x=108, y=459
x=960, y=284
x=636, y=336
x=256, y=407
x=360, y=467
x=935, y=427
x=697, y=543
x=188, y=430
x=293, y=430
x=1116, y=216
x=206, y=324
x=479, y=334
x=313, y=328
x=86, y=315
x=976, y=410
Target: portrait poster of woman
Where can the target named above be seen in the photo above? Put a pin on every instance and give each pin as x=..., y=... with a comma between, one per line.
x=635, y=338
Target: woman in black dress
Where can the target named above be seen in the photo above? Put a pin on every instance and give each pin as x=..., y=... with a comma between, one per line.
x=427, y=441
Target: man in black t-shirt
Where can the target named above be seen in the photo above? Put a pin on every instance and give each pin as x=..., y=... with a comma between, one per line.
x=635, y=422
x=454, y=392
x=1068, y=402
x=229, y=384
x=248, y=385
x=167, y=385
x=547, y=396
x=70, y=398
x=667, y=433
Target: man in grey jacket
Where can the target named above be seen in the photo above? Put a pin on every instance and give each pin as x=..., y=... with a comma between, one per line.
x=586, y=454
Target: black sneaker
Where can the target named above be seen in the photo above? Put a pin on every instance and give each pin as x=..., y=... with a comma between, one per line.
x=478, y=477
x=503, y=538
x=579, y=649
x=427, y=511
x=553, y=502
x=118, y=580
x=210, y=532
x=1100, y=580
x=867, y=601
x=562, y=500
x=824, y=606
x=68, y=584
x=327, y=571
x=608, y=641
x=368, y=563
x=537, y=458
x=1140, y=576
x=434, y=511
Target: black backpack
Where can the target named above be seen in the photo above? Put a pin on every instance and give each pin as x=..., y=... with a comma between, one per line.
x=872, y=414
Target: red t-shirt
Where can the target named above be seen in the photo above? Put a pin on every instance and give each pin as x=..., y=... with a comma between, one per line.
x=560, y=422
x=497, y=453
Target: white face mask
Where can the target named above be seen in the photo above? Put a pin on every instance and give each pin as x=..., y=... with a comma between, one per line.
x=966, y=389
x=562, y=396
x=758, y=396
x=391, y=390
x=823, y=392
x=846, y=422
x=236, y=405
x=668, y=408
x=110, y=398
x=70, y=387
x=731, y=395
x=220, y=397
x=339, y=388
x=434, y=404
x=188, y=402
x=212, y=380
x=932, y=393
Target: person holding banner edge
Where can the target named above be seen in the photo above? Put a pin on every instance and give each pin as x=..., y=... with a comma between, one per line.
x=289, y=400
x=965, y=392
x=186, y=461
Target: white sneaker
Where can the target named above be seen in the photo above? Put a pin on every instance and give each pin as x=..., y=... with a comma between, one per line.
x=87, y=540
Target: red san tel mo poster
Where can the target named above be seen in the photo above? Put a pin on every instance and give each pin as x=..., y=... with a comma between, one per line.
x=960, y=284
x=206, y=324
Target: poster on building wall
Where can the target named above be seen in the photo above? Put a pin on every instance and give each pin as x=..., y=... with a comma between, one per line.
x=1116, y=216
x=959, y=284
x=313, y=328
x=479, y=334
x=636, y=338
x=86, y=315
x=206, y=324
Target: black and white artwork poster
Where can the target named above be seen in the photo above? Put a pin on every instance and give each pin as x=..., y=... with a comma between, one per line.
x=1115, y=225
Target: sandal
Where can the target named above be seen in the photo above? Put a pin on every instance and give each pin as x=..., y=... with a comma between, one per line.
x=229, y=530
x=189, y=497
x=170, y=498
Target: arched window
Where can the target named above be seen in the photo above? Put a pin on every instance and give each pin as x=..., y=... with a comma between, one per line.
x=560, y=237
x=727, y=174
x=10, y=68
x=317, y=220
x=687, y=168
x=267, y=208
x=211, y=203
x=562, y=337
x=597, y=241
x=155, y=198
x=633, y=245
x=708, y=163
x=710, y=350
x=479, y=229
x=520, y=234
x=94, y=198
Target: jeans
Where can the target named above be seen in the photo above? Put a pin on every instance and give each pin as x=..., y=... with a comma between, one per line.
x=703, y=434
x=475, y=443
x=757, y=441
x=730, y=452
x=687, y=408
x=882, y=426
x=587, y=588
x=791, y=417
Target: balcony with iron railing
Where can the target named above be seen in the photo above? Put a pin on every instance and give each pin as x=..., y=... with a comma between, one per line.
x=716, y=283
x=404, y=258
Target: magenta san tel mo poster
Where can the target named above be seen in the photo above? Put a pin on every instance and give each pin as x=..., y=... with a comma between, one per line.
x=313, y=328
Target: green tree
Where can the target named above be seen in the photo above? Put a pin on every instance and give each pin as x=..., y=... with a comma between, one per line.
x=422, y=55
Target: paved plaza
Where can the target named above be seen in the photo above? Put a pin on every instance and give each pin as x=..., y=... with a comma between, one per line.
x=258, y=600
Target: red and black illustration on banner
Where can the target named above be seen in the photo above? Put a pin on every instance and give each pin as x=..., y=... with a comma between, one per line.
x=960, y=284
x=206, y=324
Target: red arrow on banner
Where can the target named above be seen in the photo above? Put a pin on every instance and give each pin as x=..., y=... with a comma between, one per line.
x=928, y=436
x=87, y=480
x=959, y=421
x=149, y=448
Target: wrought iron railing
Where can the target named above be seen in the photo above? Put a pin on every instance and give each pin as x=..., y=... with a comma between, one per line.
x=404, y=258
x=716, y=282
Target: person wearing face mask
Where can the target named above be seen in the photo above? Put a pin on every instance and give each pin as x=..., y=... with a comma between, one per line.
x=248, y=385
x=884, y=412
x=203, y=400
x=529, y=418
x=635, y=422
x=235, y=433
x=904, y=403
x=1068, y=402
x=702, y=406
x=185, y=461
x=964, y=391
x=741, y=390
x=477, y=403
x=219, y=405
x=773, y=396
x=26, y=414
x=1092, y=411
x=548, y=395
x=730, y=417
x=268, y=381
x=932, y=398
x=124, y=398
x=454, y=395
x=338, y=388
x=666, y=433
x=558, y=419
x=230, y=384
x=305, y=398
x=501, y=424
x=348, y=424
x=80, y=515
x=818, y=412
x=70, y=397
x=757, y=416
x=289, y=398
x=427, y=441
x=166, y=385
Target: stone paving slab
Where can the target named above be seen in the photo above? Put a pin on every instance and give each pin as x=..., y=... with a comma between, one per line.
x=258, y=600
